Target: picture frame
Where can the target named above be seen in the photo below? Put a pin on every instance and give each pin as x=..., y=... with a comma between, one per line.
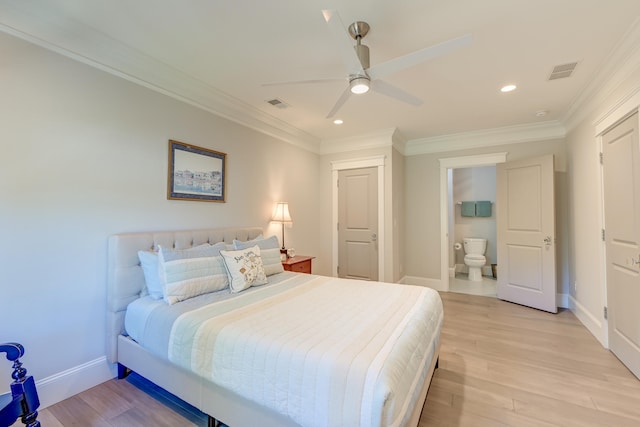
x=196, y=173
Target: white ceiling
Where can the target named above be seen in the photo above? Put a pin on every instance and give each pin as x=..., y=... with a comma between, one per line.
x=218, y=54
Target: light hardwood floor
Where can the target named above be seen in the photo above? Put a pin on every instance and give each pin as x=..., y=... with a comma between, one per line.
x=501, y=364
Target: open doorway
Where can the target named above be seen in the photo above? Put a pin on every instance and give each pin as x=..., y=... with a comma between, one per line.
x=472, y=230
x=447, y=210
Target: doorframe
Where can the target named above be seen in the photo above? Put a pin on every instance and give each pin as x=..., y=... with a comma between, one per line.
x=456, y=163
x=360, y=163
x=611, y=118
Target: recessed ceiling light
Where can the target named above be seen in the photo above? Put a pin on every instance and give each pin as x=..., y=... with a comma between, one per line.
x=541, y=113
x=338, y=121
x=508, y=88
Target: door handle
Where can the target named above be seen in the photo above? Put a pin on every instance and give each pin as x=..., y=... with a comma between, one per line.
x=635, y=261
x=374, y=237
x=547, y=241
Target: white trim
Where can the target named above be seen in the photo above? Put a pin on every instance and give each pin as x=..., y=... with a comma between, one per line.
x=486, y=138
x=60, y=386
x=618, y=67
x=377, y=139
x=596, y=327
x=57, y=33
x=602, y=249
x=365, y=162
x=423, y=281
x=623, y=109
x=562, y=300
x=452, y=163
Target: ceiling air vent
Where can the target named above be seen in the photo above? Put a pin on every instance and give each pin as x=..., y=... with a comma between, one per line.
x=562, y=71
x=278, y=104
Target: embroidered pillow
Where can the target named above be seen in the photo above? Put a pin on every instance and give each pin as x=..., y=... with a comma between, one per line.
x=269, y=252
x=187, y=273
x=245, y=268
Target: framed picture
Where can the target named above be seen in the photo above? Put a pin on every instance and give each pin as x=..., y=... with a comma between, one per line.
x=195, y=173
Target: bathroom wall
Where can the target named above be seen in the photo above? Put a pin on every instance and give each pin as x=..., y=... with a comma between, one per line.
x=473, y=184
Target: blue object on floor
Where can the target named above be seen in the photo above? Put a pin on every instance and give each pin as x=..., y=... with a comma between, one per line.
x=468, y=209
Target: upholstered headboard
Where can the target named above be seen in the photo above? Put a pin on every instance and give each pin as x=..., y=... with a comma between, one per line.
x=125, y=280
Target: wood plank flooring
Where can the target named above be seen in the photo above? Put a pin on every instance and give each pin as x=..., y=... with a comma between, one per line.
x=501, y=364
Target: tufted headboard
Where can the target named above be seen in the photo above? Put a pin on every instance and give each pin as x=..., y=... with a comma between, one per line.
x=125, y=280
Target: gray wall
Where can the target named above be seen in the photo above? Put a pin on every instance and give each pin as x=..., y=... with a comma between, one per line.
x=84, y=156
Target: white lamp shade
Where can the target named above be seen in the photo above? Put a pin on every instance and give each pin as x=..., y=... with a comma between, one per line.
x=281, y=213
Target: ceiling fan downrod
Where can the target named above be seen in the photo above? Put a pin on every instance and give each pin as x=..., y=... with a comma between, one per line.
x=358, y=30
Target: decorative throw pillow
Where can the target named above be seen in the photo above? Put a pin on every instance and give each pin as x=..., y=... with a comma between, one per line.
x=245, y=268
x=187, y=273
x=269, y=252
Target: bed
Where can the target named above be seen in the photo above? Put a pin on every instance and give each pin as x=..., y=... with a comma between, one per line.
x=297, y=350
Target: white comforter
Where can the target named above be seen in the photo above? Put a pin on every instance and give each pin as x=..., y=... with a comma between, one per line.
x=328, y=352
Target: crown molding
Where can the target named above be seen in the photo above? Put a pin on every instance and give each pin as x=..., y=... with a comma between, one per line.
x=376, y=139
x=618, y=67
x=47, y=28
x=486, y=138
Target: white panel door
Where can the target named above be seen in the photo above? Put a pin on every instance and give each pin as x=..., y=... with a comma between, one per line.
x=621, y=176
x=526, y=233
x=358, y=223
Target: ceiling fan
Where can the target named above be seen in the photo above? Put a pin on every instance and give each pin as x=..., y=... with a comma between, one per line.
x=361, y=76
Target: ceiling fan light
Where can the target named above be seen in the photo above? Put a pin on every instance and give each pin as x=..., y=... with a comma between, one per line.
x=359, y=85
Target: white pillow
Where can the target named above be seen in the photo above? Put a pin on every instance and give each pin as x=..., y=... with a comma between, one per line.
x=187, y=273
x=269, y=252
x=149, y=264
x=245, y=268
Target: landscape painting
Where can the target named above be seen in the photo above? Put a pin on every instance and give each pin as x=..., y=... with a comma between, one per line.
x=195, y=173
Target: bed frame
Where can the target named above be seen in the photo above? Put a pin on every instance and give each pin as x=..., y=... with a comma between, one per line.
x=126, y=283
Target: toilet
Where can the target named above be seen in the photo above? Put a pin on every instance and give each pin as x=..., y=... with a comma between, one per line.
x=474, y=259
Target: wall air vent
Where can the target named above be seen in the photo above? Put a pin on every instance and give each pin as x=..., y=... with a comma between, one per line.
x=562, y=71
x=278, y=103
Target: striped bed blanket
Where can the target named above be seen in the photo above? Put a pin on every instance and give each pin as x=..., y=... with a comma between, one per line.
x=320, y=350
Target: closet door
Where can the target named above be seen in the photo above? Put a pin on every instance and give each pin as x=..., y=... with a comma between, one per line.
x=358, y=223
x=621, y=176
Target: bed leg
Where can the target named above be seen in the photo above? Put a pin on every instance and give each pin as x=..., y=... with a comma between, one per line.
x=437, y=363
x=123, y=371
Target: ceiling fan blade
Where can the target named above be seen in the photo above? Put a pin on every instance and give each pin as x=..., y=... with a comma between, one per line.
x=339, y=103
x=300, y=82
x=394, y=92
x=418, y=57
x=343, y=42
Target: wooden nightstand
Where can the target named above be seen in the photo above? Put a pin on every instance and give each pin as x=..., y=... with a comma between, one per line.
x=298, y=264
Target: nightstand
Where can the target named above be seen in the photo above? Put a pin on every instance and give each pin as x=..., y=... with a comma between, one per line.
x=298, y=264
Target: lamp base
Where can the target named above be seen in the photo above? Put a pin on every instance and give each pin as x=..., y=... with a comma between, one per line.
x=283, y=254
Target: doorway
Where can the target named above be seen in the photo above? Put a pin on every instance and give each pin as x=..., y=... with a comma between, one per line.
x=447, y=208
x=377, y=162
x=468, y=188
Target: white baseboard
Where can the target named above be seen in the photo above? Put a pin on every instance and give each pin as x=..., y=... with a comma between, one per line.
x=423, y=281
x=597, y=327
x=562, y=300
x=63, y=385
